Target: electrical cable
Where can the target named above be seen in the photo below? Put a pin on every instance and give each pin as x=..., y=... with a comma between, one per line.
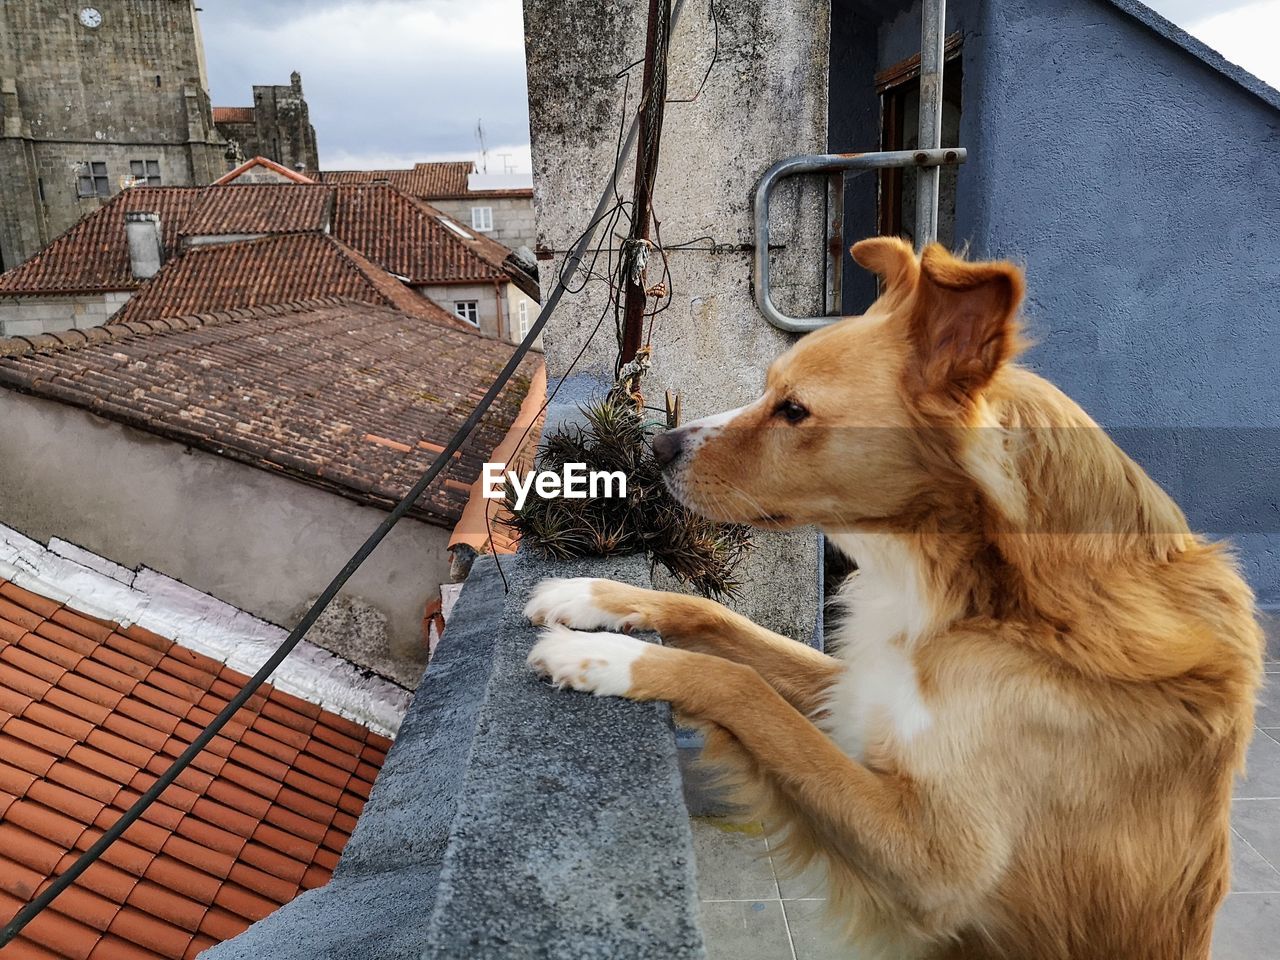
x=131, y=816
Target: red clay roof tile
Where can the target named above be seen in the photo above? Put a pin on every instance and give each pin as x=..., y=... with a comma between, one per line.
x=227, y=844
x=31, y=601
x=147, y=931
x=57, y=720
x=42, y=646
x=89, y=628
x=39, y=737
x=186, y=880
x=19, y=615
x=146, y=637
x=25, y=757
x=112, y=947
x=11, y=632
x=222, y=925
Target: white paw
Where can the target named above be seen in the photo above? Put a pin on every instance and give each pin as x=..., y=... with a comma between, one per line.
x=570, y=602
x=598, y=663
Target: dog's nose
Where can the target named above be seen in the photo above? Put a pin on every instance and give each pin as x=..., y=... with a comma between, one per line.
x=667, y=447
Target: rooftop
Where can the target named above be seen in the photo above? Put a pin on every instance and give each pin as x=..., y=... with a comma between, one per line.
x=273, y=269
x=347, y=396
x=428, y=181
x=91, y=712
x=400, y=235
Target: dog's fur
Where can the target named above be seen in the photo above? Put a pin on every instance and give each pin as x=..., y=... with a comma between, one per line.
x=1025, y=744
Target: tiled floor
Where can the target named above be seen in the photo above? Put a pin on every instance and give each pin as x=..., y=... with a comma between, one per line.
x=749, y=913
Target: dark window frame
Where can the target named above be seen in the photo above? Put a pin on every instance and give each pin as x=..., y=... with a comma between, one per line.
x=468, y=310
x=92, y=180
x=146, y=171
x=894, y=85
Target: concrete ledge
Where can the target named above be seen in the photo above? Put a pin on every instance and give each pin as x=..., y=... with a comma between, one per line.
x=572, y=839
x=510, y=819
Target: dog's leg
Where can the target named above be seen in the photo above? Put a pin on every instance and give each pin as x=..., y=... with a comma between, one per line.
x=891, y=830
x=798, y=672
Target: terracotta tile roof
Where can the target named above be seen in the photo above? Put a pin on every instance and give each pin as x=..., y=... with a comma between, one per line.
x=233, y=115
x=90, y=714
x=345, y=396
x=251, y=208
x=93, y=255
x=399, y=234
x=410, y=238
x=427, y=180
x=274, y=269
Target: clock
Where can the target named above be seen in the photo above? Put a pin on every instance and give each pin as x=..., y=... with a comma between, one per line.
x=91, y=17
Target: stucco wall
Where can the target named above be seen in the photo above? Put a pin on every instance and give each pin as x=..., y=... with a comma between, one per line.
x=492, y=309
x=1138, y=186
x=25, y=316
x=764, y=99
x=263, y=543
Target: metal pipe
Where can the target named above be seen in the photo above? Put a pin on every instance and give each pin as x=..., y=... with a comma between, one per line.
x=854, y=163
x=933, y=18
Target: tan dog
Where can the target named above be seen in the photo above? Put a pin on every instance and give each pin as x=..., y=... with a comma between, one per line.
x=1025, y=744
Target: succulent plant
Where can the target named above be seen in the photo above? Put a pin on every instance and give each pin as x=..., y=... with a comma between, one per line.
x=698, y=552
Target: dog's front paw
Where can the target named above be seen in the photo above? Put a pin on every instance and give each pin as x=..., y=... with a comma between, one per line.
x=577, y=603
x=598, y=663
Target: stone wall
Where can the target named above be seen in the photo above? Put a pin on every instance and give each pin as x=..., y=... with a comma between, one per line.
x=132, y=88
x=283, y=130
x=26, y=316
x=494, y=321
x=513, y=219
x=264, y=543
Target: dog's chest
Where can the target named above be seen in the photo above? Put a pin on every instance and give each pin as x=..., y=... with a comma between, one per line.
x=876, y=707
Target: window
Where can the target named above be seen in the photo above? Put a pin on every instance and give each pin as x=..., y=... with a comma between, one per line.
x=145, y=171
x=455, y=228
x=899, y=89
x=522, y=317
x=482, y=219
x=92, y=181
x=468, y=310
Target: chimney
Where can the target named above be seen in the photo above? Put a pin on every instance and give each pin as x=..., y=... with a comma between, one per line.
x=146, y=250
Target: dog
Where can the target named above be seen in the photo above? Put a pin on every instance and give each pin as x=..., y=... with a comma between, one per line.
x=1025, y=743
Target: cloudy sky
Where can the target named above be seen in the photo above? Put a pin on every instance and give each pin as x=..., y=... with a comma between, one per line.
x=394, y=81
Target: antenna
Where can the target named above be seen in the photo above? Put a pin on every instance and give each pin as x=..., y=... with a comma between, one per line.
x=484, y=151
x=507, y=165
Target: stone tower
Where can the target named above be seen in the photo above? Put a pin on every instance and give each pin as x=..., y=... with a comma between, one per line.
x=277, y=126
x=96, y=94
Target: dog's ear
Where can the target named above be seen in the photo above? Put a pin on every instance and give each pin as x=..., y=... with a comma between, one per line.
x=963, y=327
x=892, y=260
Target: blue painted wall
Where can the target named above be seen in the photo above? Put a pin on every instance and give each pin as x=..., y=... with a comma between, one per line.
x=1140, y=187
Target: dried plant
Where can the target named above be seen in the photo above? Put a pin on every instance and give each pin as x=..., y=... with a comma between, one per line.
x=699, y=552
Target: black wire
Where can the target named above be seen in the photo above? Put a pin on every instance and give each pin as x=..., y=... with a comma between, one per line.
x=116, y=830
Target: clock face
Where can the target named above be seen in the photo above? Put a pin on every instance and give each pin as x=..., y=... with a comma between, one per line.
x=91, y=17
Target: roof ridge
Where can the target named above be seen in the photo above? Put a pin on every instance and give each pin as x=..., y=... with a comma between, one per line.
x=1162, y=26
x=47, y=343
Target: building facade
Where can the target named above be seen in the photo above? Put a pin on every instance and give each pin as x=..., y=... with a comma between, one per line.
x=93, y=97
x=277, y=126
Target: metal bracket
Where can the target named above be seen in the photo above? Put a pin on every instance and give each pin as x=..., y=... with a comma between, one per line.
x=841, y=163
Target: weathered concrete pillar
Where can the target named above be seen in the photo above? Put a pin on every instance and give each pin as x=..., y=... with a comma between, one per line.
x=765, y=98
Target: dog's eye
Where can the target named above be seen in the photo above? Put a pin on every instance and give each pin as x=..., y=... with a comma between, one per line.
x=791, y=411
